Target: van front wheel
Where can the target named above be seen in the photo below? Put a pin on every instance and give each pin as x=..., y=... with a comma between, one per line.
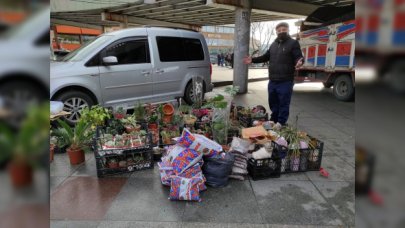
x=189, y=94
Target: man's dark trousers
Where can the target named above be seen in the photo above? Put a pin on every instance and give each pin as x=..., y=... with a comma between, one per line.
x=279, y=100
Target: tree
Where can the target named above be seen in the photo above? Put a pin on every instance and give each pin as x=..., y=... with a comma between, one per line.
x=261, y=35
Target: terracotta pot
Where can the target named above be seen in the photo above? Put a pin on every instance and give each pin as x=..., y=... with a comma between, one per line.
x=51, y=152
x=20, y=174
x=76, y=156
x=167, y=140
x=113, y=165
x=152, y=126
x=138, y=127
x=168, y=109
x=129, y=129
x=167, y=119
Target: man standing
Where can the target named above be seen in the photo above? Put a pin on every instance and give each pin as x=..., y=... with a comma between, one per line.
x=284, y=56
x=219, y=59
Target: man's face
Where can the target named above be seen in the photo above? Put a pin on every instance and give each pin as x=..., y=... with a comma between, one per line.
x=282, y=29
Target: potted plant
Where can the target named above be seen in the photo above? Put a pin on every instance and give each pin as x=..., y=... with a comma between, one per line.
x=139, y=112
x=189, y=119
x=130, y=124
x=96, y=115
x=122, y=164
x=166, y=137
x=292, y=136
x=52, y=144
x=119, y=113
x=112, y=163
x=152, y=121
x=22, y=150
x=76, y=138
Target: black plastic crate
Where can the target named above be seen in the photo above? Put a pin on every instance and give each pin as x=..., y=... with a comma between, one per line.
x=247, y=121
x=146, y=162
x=365, y=162
x=265, y=168
x=102, y=155
x=309, y=159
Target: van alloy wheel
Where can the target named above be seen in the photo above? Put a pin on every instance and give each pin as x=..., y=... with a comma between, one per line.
x=74, y=105
x=199, y=90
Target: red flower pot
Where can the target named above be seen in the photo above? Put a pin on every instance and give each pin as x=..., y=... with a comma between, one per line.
x=152, y=126
x=76, y=156
x=20, y=173
x=51, y=152
x=168, y=109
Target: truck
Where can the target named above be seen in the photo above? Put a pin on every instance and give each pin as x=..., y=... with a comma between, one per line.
x=327, y=39
x=380, y=40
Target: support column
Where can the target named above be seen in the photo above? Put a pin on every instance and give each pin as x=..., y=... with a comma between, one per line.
x=241, y=43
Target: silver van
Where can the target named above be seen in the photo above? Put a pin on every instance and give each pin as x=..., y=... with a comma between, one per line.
x=122, y=68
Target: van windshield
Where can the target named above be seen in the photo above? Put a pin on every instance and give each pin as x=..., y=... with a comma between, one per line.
x=83, y=51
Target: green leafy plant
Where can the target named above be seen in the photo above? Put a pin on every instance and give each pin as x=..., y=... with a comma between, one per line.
x=129, y=121
x=30, y=141
x=185, y=109
x=73, y=137
x=96, y=115
x=139, y=112
x=232, y=90
x=153, y=118
x=216, y=102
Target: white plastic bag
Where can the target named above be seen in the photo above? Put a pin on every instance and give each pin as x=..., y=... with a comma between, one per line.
x=56, y=107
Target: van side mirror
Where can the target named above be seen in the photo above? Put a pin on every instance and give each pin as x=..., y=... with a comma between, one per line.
x=110, y=60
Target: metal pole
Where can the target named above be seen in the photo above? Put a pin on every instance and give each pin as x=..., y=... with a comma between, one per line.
x=241, y=40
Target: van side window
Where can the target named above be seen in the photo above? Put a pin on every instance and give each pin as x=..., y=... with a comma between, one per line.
x=194, y=49
x=130, y=52
x=176, y=49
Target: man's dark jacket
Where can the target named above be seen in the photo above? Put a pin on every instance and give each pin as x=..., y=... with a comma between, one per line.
x=282, y=55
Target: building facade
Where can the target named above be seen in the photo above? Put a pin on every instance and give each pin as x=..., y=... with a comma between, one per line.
x=220, y=39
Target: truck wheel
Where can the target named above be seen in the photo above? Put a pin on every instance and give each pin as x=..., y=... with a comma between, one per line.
x=343, y=88
x=394, y=76
x=327, y=85
x=74, y=102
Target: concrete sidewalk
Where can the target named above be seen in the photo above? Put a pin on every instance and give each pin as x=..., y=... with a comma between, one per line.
x=225, y=74
x=80, y=199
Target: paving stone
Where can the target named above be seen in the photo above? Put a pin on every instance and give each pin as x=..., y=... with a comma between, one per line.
x=75, y=224
x=61, y=166
x=338, y=170
x=341, y=196
x=145, y=199
x=138, y=224
x=84, y=198
x=234, y=203
x=293, y=202
x=54, y=182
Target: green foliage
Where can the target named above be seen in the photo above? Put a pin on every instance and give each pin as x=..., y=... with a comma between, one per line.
x=153, y=118
x=76, y=137
x=139, y=112
x=291, y=135
x=96, y=115
x=216, y=102
x=232, y=90
x=185, y=109
x=31, y=140
x=129, y=121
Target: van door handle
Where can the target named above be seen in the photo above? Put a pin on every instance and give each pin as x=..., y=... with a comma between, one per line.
x=159, y=71
x=94, y=75
x=145, y=73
